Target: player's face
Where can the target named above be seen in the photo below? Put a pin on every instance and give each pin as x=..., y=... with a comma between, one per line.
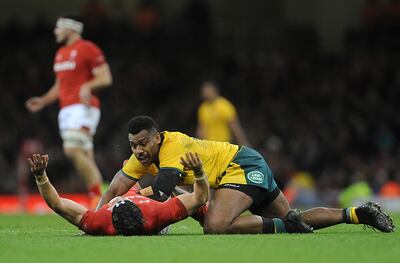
x=145, y=146
x=61, y=34
x=208, y=92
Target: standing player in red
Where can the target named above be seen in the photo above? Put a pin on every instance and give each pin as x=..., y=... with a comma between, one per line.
x=128, y=215
x=80, y=70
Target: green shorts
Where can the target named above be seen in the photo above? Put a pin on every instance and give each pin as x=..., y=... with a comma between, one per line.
x=249, y=167
x=250, y=174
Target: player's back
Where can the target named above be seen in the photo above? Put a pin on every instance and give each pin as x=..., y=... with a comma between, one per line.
x=158, y=215
x=215, y=156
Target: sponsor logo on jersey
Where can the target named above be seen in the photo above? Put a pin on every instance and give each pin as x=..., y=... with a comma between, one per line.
x=232, y=185
x=66, y=65
x=256, y=177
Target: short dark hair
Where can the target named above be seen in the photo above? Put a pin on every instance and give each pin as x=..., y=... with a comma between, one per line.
x=142, y=122
x=73, y=16
x=127, y=218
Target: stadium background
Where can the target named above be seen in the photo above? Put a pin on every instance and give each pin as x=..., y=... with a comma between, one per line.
x=316, y=84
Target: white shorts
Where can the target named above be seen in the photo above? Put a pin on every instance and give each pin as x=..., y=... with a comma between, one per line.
x=74, y=118
x=77, y=116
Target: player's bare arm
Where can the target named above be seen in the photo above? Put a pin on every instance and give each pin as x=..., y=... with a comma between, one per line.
x=200, y=131
x=119, y=185
x=200, y=195
x=66, y=208
x=35, y=104
x=238, y=132
x=102, y=78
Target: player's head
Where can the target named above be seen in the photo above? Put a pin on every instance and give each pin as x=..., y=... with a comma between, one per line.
x=209, y=90
x=127, y=218
x=66, y=26
x=144, y=138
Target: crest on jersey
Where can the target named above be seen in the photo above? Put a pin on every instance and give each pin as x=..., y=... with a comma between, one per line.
x=73, y=54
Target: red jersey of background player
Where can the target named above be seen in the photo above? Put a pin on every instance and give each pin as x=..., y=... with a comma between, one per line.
x=156, y=216
x=73, y=67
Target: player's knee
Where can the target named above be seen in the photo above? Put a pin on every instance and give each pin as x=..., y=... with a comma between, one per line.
x=72, y=153
x=216, y=226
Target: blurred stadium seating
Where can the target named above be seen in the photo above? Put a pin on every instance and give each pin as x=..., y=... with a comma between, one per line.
x=333, y=115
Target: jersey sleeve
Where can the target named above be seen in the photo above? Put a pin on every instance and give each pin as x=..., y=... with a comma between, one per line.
x=228, y=110
x=133, y=169
x=97, y=223
x=168, y=212
x=94, y=56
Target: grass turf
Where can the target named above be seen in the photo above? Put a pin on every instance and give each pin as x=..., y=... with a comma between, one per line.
x=49, y=238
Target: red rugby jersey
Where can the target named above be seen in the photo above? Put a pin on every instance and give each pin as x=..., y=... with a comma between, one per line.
x=73, y=66
x=156, y=216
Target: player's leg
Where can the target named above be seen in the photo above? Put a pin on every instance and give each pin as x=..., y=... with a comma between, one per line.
x=85, y=165
x=368, y=214
x=224, y=215
x=224, y=208
x=247, y=181
x=316, y=217
x=77, y=125
x=321, y=217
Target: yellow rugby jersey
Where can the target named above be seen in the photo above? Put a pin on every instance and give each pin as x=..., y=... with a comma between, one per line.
x=215, y=156
x=214, y=117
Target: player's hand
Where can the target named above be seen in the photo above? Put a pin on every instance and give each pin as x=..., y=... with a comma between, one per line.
x=85, y=94
x=34, y=104
x=38, y=164
x=193, y=162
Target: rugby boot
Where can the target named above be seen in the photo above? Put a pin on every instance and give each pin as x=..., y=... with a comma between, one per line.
x=370, y=214
x=295, y=224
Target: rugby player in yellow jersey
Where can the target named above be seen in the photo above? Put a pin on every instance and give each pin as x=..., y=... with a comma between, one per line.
x=217, y=117
x=241, y=177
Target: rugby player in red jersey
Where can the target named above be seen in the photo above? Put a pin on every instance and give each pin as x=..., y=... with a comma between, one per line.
x=80, y=70
x=127, y=215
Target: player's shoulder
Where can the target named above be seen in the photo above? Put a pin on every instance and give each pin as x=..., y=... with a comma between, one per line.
x=174, y=136
x=87, y=44
x=223, y=101
x=173, y=142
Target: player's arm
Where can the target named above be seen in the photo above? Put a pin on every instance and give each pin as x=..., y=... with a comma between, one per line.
x=66, y=208
x=101, y=78
x=164, y=184
x=200, y=131
x=119, y=185
x=238, y=132
x=200, y=195
x=35, y=104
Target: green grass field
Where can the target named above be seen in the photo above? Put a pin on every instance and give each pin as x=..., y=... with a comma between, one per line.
x=51, y=239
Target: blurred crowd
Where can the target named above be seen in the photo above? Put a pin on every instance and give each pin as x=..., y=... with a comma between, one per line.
x=323, y=121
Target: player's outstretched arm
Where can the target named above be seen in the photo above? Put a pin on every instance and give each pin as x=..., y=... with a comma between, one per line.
x=35, y=104
x=118, y=186
x=66, y=208
x=200, y=195
x=238, y=132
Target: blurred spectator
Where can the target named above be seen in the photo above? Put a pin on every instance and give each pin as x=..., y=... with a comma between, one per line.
x=334, y=116
x=217, y=117
x=146, y=18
